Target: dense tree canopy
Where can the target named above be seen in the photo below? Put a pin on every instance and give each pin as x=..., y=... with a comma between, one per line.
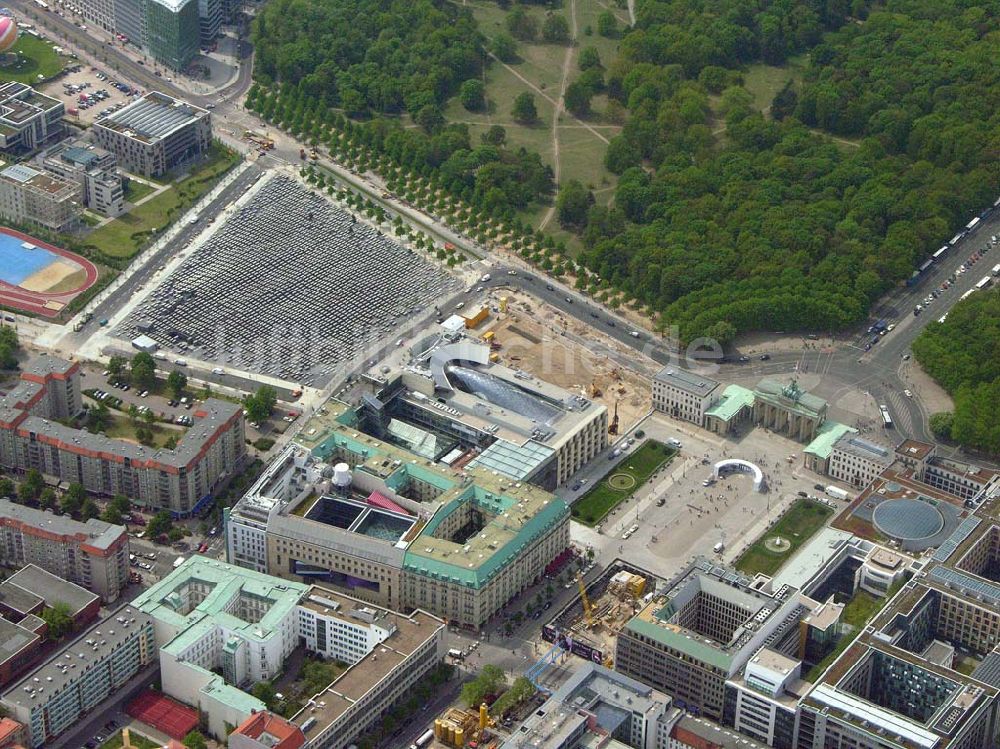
x=963, y=355
x=368, y=55
x=776, y=227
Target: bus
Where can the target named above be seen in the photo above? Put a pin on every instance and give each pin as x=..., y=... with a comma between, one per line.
x=886, y=419
x=966, y=295
x=940, y=253
x=972, y=224
x=984, y=283
x=424, y=740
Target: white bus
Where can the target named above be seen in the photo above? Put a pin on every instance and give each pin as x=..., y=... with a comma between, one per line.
x=967, y=294
x=984, y=283
x=886, y=419
x=996, y=270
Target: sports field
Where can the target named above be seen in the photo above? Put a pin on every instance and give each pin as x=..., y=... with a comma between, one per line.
x=625, y=478
x=39, y=278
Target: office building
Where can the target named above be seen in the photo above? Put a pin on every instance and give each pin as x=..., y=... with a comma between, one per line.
x=155, y=133
x=453, y=407
x=763, y=702
x=31, y=196
x=80, y=676
x=180, y=480
x=376, y=521
x=703, y=630
x=94, y=555
x=165, y=30
x=210, y=17
x=28, y=119
x=857, y=461
x=684, y=395
x=596, y=702
x=95, y=170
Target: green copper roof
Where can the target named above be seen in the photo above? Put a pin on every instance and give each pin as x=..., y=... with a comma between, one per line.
x=683, y=642
x=734, y=397
x=828, y=433
x=165, y=603
x=508, y=532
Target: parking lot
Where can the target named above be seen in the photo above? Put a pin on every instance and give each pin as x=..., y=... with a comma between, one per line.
x=89, y=94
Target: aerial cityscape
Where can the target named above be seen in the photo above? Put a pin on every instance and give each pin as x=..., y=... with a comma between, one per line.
x=499, y=375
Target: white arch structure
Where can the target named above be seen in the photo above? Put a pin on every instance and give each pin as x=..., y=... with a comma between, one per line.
x=743, y=466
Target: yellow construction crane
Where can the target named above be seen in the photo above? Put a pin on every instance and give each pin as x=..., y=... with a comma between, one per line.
x=586, y=601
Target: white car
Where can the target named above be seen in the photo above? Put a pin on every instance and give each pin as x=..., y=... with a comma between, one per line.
x=908, y=393
x=218, y=370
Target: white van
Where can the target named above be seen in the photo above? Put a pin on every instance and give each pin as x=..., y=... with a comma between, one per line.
x=718, y=547
x=634, y=333
x=674, y=442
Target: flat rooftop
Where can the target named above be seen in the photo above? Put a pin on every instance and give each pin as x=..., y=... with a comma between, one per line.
x=50, y=588
x=411, y=633
x=14, y=639
x=655, y=621
x=859, y=447
x=153, y=117
x=689, y=382
x=79, y=657
x=94, y=533
x=914, y=449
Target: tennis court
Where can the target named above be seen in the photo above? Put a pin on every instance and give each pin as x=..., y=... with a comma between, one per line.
x=163, y=714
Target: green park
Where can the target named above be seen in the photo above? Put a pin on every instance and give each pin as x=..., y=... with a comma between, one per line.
x=627, y=477
x=780, y=541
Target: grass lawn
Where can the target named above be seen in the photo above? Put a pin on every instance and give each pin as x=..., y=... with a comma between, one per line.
x=593, y=506
x=124, y=236
x=860, y=609
x=765, y=81
x=136, y=191
x=797, y=525
x=36, y=58
x=135, y=739
x=121, y=428
x=540, y=65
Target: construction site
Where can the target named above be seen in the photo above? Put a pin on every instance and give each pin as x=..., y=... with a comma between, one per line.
x=588, y=626
x=528, y=335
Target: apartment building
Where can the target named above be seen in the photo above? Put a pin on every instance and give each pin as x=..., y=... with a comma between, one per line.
x=28, y=119
x=80, y=676
x=222, y=628
x=31, y=196
x=359, y=698
x=94, y=555
x=155, y=133
x=684, y=395
x=180, y=480
x=95, y=170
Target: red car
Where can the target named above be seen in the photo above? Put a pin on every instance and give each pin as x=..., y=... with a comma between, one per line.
x=203, y=548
